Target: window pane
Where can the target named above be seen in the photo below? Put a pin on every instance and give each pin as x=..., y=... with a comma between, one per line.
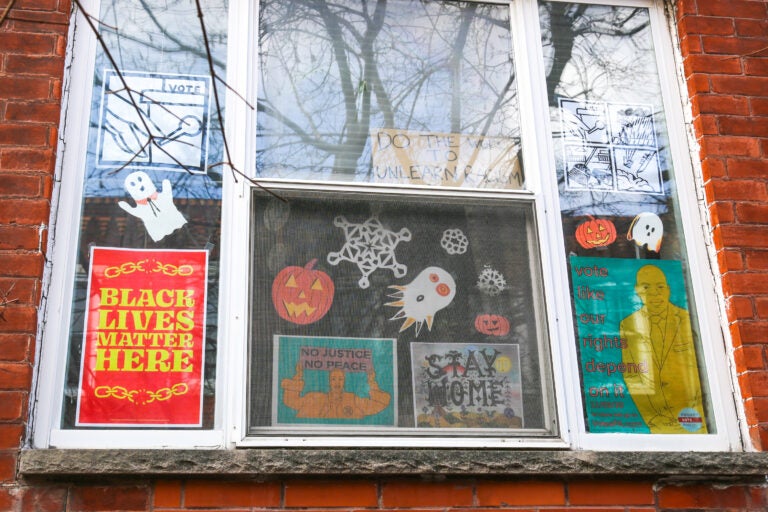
x=397, y=91
x=431, y=310
x=143, y=337
x=636, y=329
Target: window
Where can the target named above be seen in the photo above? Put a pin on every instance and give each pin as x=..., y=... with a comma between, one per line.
x=437, y=223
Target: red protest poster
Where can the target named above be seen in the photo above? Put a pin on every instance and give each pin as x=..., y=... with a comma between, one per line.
x=144, y=342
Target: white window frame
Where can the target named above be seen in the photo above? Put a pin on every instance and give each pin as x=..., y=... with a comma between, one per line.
x=230, y=422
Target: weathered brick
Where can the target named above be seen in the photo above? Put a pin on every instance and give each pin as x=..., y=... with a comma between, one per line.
x=746, y=85
x=736, y=190
x=23, y=135
x=118, y=497
x=409, y=493
x=26, y=43
x=167, y=493
x=720, y=104
x=14, y=347
x=731, y=45
x=24, y=211
x=525, y=492
x=755, y=127
x=711, y=64
x=331, y=493
x=730, y=146
x=744, y=9
x=751, y=28
x=746, y=168
x=15, y=376
x=744, y=236
x=7, y=465
x=701, y=496
x=707, y=25
x=11, y=405
x=19, y=237
x=756, y=260
x=752, y=213
x=10, y=435
x=48, y=498
x=35, y=112
x=200, y=493
x=21, y=264
x=756, y=66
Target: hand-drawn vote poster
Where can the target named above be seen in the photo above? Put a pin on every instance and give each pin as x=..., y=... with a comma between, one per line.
x=445, y=159
x=159, y=122
x=144, y=342
x=334, y=381
x=462, y=385
x=636, y=348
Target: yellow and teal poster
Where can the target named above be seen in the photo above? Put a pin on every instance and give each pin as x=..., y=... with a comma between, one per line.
x=334, y=381
x=637, y=354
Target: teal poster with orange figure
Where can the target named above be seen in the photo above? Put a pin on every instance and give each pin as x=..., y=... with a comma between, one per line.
x=636, y=347
x=334, y=381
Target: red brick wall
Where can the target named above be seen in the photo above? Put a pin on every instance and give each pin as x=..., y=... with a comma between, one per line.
x=725, y=49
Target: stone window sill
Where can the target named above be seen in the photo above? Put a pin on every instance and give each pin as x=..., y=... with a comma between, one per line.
x=266, y=463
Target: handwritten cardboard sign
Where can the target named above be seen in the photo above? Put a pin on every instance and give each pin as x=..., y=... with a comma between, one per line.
x=445, y=159
x=144, y=341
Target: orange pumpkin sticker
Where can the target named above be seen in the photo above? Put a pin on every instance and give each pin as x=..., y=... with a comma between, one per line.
x=595, y=233
x=493, y=325
x=302, y=295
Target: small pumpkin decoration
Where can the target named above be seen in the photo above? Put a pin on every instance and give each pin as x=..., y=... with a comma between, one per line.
x=302, y=295
x=493, y=325
x=595, y=233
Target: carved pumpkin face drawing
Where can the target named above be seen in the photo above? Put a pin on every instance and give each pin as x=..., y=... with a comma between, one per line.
x=595, y=233
x=302, y=295
x=493, y=325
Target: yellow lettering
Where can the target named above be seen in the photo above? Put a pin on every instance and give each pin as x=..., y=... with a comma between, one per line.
x=109, y=356
x=185, y=320
x=132, y=362
x=164, y=298
x=157, y=360
x=108, y=296
x=184, y=298
x=181, y=361
x=163, y=320
x=107, y=339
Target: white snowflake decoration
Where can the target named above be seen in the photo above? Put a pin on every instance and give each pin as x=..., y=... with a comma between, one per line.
x=454, y=241
x=491, y=281
x=370, y=246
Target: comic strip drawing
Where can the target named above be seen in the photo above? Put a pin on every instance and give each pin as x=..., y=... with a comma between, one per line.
x=647, y=229
x=155, y=209
x=610, y=147
x=432, y=290
x=168, y=131
x=370, y=246
x=668, y=396
x=585, y=121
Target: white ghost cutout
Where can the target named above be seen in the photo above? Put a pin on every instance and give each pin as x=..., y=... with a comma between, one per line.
x=432, y=290
x=155, y=209
x=647, y=228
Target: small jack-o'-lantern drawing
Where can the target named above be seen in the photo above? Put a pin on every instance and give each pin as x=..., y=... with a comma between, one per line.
x=302, y=295
x=595, y=233
x=493, y=325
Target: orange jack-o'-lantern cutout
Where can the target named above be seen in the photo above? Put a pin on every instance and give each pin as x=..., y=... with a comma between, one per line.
x=302, y=295
x=493, y=325
x=595, y=233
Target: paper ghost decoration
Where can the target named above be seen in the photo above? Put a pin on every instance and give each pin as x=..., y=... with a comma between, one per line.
x=646, y=228
x=432, y=290
x=155, y=209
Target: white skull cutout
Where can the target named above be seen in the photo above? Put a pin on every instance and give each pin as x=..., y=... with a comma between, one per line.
x=647, y=228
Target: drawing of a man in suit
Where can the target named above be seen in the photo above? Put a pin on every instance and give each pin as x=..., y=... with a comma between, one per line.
x=668, y=395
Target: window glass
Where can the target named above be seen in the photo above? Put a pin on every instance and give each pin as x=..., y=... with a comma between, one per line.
x=634, y=315
x=396, y=313
x=399, y=92
x=142, y=343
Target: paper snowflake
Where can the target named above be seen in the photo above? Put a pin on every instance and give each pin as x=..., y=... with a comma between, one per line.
x=369, y=246
x=454, y=241
x=491, y=281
